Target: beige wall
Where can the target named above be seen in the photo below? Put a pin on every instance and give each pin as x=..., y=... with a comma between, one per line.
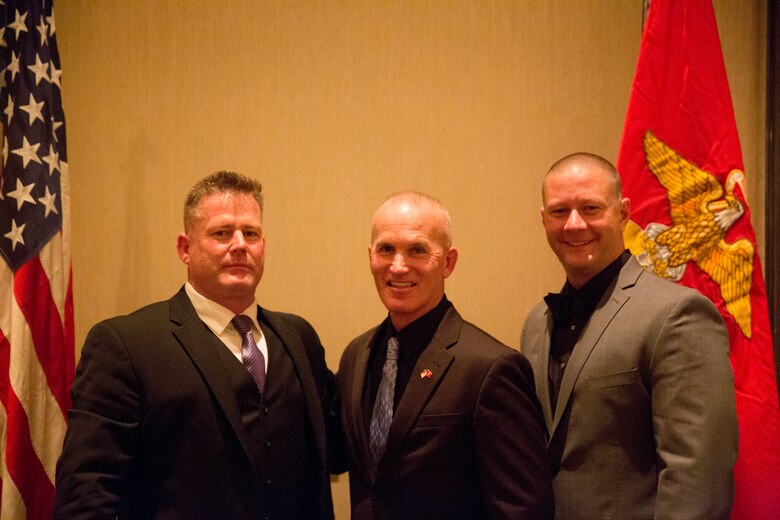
x=334, y=105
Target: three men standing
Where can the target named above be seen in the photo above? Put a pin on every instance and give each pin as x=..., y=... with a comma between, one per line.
x=440, y=419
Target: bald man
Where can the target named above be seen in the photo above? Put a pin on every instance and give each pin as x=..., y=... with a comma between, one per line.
x=440, y=418
x=632, y=371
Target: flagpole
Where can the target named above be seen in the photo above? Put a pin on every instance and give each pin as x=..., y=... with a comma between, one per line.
x=772, y=202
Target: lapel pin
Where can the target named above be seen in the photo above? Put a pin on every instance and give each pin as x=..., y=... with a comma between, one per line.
x=426, y=373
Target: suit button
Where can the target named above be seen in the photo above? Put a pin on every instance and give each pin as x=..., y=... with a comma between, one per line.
x=267, y=480
x=265, y=410
x=267, y=444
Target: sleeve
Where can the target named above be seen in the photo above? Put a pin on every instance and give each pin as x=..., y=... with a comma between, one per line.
x=694, y=413
x=510, y=443
x=100, y=443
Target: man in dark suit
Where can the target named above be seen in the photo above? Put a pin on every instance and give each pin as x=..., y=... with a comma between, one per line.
x=168, y=423
x=441, y=419
x=632, y=370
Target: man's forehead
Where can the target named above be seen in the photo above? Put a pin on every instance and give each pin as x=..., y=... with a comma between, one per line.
x=403, y=237
x=226, y=215
x=595, y=180
x=231, y=219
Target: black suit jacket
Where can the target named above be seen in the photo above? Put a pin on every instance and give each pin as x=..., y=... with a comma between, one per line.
x=467, y=441
x=155, y=430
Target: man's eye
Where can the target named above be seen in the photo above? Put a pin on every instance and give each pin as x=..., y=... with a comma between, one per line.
x=383, y=250
x=419, y=251
x=221, y=233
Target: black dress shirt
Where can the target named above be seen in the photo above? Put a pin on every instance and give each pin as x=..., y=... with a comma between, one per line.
x=412, y=340
x=571, y=310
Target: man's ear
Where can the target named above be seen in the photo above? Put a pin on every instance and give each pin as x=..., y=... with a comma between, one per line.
x=625, y=211
x=183, y=247
x=450, y=259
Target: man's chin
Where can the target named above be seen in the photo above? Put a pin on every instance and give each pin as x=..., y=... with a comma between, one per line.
x=395, y=305
x=580, y=260
x=240, y=283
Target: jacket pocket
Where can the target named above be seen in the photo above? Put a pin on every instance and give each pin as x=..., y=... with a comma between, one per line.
x=628, y=377
x=438, y=420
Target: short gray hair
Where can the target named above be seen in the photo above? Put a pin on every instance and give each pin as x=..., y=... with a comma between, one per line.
x=418, y=198
x=220, y=182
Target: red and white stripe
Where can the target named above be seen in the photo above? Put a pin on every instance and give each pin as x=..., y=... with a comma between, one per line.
x=37, y=360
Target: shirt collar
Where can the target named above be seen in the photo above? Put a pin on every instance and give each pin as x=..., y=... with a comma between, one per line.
x=214, y=315
x=418, y=334
x=580, y=303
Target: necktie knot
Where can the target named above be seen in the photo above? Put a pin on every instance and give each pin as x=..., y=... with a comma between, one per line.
x=567, y=305
x=392, y=349
x=242, y=323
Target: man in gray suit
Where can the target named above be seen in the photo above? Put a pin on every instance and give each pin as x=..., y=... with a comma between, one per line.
x=632, y=371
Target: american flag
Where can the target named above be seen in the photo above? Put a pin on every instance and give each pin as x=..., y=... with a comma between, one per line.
x=37, y=354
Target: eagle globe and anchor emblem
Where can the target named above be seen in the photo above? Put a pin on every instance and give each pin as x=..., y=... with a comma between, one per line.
x=701, y=214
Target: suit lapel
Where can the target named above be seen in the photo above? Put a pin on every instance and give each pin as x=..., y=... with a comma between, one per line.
x=201, y=345
x=541, y=336
x=435, y=358
x=359, y=423
x=292, y=342
x=613, y=299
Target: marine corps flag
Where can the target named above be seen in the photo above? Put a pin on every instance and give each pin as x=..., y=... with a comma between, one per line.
x=681, y=165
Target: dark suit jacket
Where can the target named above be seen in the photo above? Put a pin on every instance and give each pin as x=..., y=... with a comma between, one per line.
x=155, y=430
x=466, y=442
x=645, y=424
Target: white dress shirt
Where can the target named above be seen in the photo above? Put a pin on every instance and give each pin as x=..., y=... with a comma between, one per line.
x=217, y=318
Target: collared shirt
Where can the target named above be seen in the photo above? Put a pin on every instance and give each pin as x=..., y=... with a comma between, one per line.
x=571, y=310
x=217, y=318
x=412, y=340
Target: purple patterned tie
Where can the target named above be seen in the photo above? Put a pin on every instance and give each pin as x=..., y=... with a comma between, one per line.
x=253, y=358
x=382, y=414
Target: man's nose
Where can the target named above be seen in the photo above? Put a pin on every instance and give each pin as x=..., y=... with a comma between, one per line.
x=398, y=263
x=238, y=242
x=574, y=221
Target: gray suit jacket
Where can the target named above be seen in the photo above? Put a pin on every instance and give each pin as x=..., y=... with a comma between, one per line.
x=645, y=424
x=467, y=441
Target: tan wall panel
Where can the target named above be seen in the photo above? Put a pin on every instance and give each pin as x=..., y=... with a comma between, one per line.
x=333, y=106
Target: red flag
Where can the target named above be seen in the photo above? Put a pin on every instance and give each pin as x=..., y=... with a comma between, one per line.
x=37, y=354
x=682, y=168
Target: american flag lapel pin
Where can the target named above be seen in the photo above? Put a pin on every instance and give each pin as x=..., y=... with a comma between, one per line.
x=426, y=373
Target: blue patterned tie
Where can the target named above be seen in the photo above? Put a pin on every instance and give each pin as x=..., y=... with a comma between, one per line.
x=382, y=414
x=253, y=358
